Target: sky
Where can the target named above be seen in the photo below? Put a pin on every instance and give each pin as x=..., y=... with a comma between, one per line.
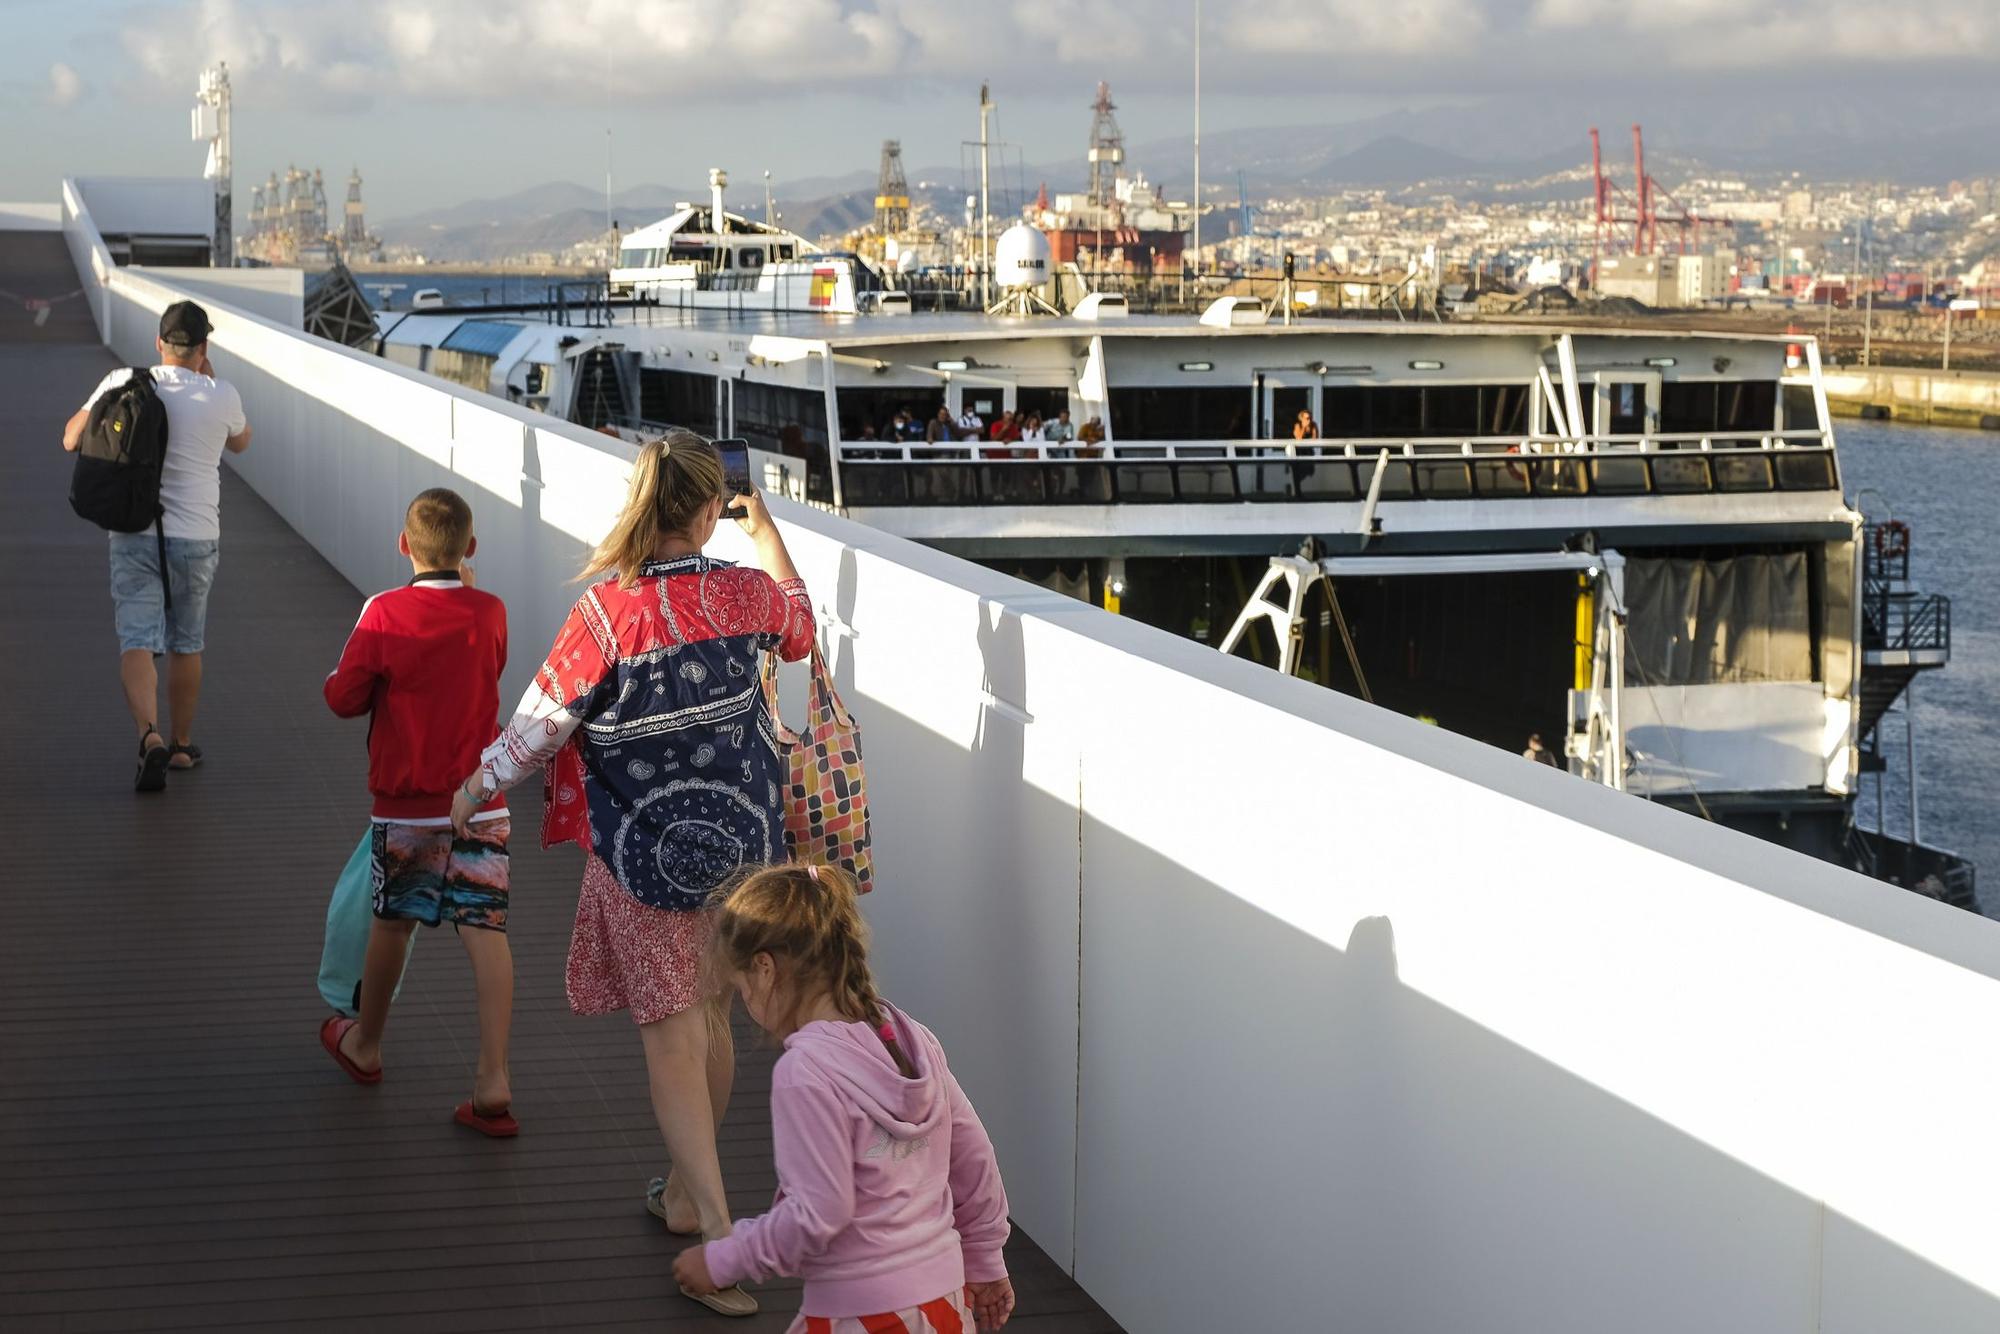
x=439, y=101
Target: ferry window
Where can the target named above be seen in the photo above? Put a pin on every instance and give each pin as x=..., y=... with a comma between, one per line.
x=677, y=398
x=871, y=413
x=1503, y=409
x=1451, y=410
x=782, y=420
x=1343, y=412
x=1698, y=407
x=1746, y=405
x=1142, y=413
x=1396, y=410
x=1801, y=412
x=749, y=259
x=784, y=252
x=1030, y=400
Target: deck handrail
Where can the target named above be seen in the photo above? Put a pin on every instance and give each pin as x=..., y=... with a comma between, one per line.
x=1474, y=447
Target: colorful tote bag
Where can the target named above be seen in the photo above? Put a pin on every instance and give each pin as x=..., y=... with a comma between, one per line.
x=826, y=810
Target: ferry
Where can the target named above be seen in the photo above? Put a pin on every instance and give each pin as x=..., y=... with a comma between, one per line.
x=1632, y=546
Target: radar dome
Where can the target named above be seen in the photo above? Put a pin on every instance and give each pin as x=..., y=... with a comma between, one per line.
x=1021, y=257
x=908, y=262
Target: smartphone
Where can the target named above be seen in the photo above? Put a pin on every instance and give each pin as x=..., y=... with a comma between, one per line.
x=735, y=472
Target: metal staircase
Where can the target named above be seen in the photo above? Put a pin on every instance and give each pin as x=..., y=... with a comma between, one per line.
x=1904, y=633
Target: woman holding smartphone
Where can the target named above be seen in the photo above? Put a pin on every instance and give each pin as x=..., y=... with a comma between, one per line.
x=650, y=713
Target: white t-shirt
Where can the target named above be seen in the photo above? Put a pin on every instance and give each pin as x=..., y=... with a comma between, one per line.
x=202, y=413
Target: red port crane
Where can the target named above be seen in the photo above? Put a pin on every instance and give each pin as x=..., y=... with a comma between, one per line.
x=1644, y=217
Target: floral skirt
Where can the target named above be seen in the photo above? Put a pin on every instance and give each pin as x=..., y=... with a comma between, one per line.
x=624, y=955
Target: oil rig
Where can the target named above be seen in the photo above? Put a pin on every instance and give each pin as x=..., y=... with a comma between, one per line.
x=1121, y=223
x=290, y=223
x=893, y=238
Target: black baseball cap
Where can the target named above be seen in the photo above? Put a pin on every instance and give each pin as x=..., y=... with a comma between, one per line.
x=184, y=324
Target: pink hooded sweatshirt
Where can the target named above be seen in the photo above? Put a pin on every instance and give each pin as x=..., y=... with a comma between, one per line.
x=888, y=1192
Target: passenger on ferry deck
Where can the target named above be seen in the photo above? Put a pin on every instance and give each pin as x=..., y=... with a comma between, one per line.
x=1006, y=431
x=1060, y=432
x=1032, y=434
x=1305, y=428
x=1091, y=434
x=970, y=425
x=940, y=430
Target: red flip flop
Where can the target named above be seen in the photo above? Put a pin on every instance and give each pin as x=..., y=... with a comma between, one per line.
x=494, y=1125
x=330, y=1033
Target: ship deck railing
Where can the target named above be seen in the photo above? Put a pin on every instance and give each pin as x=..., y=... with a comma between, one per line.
x=979, y=472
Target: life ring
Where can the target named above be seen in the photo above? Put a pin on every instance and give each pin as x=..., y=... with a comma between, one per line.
x=1892, y=540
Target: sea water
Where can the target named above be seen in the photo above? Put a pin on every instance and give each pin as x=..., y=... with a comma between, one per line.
x=1943, y=483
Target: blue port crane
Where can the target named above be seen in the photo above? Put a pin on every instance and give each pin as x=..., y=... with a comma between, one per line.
x=1246, y=218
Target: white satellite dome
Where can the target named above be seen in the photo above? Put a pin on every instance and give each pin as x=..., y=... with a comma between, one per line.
x=1021, y=257
x=908, y=261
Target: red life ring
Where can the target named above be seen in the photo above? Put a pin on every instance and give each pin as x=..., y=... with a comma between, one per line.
x=1892, y=540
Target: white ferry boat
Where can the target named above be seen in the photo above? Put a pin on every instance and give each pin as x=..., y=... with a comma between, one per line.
x=1632, y=545
x=703, y=257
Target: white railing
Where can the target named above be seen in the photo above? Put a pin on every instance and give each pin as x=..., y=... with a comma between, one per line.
x=1496, y=447
x=1285, y=1011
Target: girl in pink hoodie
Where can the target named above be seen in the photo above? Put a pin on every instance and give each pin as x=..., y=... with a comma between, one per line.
x=889, y=1200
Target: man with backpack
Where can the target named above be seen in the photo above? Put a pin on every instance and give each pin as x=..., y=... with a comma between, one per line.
x=149, y=446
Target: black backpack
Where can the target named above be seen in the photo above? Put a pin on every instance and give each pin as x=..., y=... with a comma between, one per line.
x=116, y=484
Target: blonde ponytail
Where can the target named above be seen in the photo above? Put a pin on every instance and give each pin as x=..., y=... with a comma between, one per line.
x=674, y=477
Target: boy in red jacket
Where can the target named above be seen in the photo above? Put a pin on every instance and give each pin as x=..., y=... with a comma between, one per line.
x=424, y=662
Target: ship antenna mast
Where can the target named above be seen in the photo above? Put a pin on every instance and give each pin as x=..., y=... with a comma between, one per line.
x=985, y=244
x=211, y=125
x=1197, y=138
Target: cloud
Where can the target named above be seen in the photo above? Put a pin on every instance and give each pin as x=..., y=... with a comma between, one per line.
x=669, y=51
x=65, y=86
x=692, y=55
x=1440, y=28
x=1779, y=33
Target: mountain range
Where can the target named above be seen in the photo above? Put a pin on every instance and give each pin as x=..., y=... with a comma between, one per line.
x=1824, y=133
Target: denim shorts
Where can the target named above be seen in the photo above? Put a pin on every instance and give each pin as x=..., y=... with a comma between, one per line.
x=138, y=602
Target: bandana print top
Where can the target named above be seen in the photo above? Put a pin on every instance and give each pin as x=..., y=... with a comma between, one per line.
x=650, y=717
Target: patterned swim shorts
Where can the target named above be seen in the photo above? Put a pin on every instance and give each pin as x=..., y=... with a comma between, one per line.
x=426, y=873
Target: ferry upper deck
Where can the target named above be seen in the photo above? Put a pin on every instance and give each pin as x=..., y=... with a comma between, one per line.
x=1527, y=433
x=1447, y=1040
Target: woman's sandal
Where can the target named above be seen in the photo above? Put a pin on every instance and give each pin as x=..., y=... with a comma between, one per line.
x=493, y=1125
x=656, y=1205
x=152, y=775
x=725, y=1301
x=177, y=750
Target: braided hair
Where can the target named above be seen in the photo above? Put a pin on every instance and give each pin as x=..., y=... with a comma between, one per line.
x=808, y=919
